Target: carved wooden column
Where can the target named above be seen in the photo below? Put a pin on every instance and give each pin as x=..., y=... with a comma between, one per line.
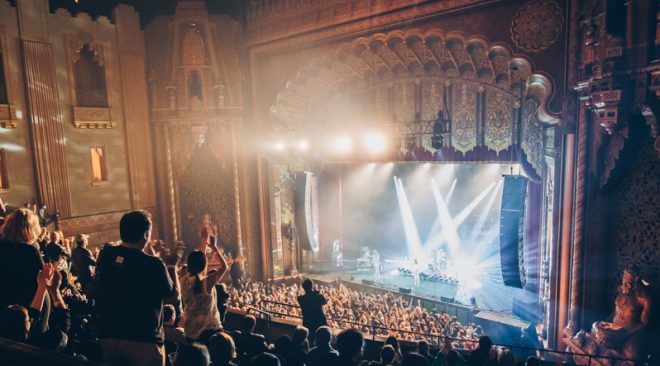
x=46, y=122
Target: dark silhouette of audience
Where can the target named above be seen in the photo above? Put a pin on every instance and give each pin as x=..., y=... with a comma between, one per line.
x=323, y=354
x=349, y=345
x=222, y=349
x=249, y=344
x=482, y=352
x=311, y=305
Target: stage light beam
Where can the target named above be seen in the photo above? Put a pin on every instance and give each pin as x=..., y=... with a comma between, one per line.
x=410, y=228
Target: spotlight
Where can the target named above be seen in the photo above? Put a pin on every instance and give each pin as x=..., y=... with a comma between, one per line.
x=302, y=145
x=344, y=144
x=375, y=143
x=279, y=146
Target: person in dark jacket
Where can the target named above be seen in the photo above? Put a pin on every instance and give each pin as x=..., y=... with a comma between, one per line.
x=311, y=305
x=82, y=261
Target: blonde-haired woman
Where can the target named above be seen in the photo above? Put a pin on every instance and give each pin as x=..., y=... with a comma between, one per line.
x=21, y=259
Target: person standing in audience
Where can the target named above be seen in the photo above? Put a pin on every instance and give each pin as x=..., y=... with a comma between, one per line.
x=222, y=349
x=311, y=305
x=22, y=261
x=350, y=343
x=423, y=349
x=194, y=354
x=300, y=346
x=82, y=261
x=482, y=352
x=201, y=317
x=59, y=255
x=249, y=344
x=130, y=288
x=387, y=354
x=323, y=354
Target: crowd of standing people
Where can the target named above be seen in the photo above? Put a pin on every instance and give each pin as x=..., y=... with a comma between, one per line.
x=381, y=315
x=137, y=302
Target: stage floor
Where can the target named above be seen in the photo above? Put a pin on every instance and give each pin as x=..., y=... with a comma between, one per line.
x=491, y=295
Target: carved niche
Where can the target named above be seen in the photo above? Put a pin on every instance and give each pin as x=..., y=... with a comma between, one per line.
x=89, y=88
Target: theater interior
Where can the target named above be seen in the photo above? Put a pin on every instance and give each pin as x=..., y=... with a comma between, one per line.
x=493, y=165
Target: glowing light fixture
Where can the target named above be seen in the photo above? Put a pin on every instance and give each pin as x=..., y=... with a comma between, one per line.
x=344, y=144
x=375, y=143
x=302, y=145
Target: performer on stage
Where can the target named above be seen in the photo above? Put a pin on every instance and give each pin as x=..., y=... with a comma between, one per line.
x=375, y=260
x=416, y=274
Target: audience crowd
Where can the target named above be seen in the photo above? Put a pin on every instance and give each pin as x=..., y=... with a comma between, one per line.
x=383, y=315
x=137, y=302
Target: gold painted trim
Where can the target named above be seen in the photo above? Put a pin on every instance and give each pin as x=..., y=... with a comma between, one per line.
x=86, y=117
x=8, y=116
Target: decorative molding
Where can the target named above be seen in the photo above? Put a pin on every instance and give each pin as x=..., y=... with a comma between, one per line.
x=605, y=105
x=367, y=61
x=537, y=25
x=612, y=153
x=8, y=116
x=284, y=19
x=91, y=117
x=93, y=223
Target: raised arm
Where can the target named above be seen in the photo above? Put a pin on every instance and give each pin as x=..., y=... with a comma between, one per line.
x=214, y=278
x=44, y=277
x=204, y=236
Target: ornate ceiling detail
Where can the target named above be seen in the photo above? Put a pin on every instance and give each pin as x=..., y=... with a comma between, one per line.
x=537, y=25
x=368, y=62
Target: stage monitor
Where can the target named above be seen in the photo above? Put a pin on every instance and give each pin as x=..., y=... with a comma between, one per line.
x=405, y=290
x=512, y=215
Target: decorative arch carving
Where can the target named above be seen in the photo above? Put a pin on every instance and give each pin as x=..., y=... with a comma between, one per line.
x=486, y=83
x=89, y=83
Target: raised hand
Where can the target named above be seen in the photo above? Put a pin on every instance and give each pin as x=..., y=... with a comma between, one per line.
x=45, y=276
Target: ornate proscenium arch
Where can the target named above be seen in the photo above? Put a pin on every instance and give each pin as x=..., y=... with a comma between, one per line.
x=398, y=80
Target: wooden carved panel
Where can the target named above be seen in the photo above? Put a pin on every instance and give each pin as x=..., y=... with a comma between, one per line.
x=464, y=123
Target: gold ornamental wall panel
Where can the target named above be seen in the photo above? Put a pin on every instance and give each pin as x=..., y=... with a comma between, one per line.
x=464, y=113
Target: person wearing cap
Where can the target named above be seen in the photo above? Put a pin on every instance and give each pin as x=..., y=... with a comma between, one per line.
x=82, y=261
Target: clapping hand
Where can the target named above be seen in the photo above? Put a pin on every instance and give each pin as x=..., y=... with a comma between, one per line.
x=45, y=276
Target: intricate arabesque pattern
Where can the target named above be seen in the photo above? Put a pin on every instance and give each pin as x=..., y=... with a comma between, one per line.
x=532, y=136
x=499, y=131
x=537, y=25
x=637, y=205
x=464, y=123
x=207, y=189
x=400, y=55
